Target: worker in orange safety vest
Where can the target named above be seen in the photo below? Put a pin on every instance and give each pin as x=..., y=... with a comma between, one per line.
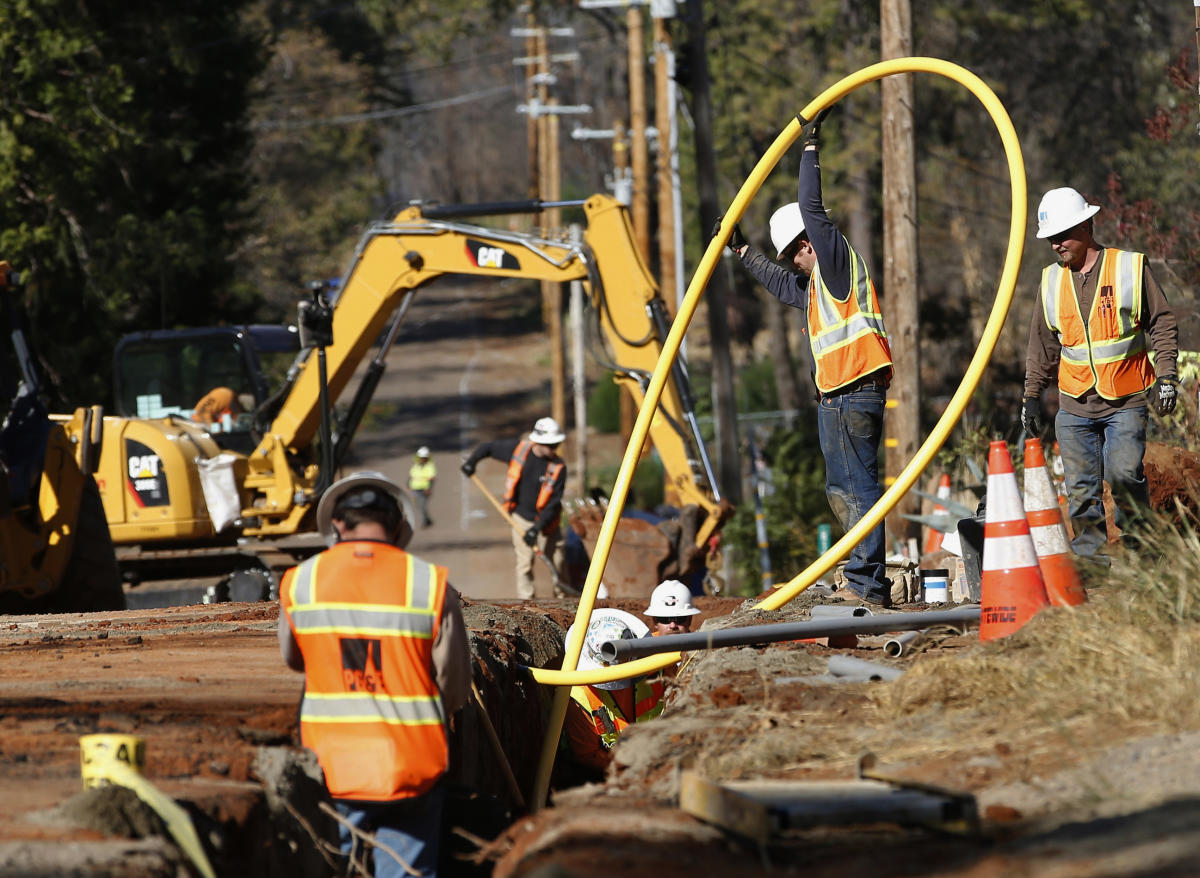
x=379, y=635
x=533, y=491
x=1102, y=365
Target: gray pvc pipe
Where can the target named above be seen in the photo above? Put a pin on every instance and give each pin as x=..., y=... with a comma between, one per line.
x=624, y=650
x=825, y=611
x=848, y=666
x=895, y=646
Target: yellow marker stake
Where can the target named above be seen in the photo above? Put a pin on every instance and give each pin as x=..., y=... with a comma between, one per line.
x=674, y=339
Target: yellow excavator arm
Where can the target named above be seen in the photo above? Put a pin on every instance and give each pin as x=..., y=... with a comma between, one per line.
x=394, y=259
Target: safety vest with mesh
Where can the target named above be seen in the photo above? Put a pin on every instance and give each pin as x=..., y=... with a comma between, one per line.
x=1108, y=351
x=365, y=616
x=516, y=464
x=848, y=338
x=421, y=475
x=607, y=719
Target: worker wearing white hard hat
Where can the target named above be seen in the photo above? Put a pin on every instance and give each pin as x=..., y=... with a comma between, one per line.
x=671, y=608
x=819, y=272
x=421, y=476
x=1101, y=364
x=379, y=636
x=599, y=712
x=533, y=491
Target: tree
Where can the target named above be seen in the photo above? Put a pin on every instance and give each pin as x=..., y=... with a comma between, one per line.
x=122, y=169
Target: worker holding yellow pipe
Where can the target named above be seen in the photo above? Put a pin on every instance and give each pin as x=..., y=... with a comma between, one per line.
x=851, y=359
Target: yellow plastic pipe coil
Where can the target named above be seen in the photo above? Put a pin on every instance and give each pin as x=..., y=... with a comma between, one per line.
x=568, y=676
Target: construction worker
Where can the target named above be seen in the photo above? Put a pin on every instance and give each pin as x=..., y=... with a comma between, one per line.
x=217, y=407
x=851, y=357
x=421, y=476
x=533, y=494
x=1102, y=365
x=599, y=712
x=671, y=608
x=379, y=635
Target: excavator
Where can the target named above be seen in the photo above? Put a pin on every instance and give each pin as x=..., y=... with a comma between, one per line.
x=56, y=554
x=237, y=497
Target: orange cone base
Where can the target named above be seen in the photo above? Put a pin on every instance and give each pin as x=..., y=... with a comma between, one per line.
x=1063, y=587
x=1010, y=598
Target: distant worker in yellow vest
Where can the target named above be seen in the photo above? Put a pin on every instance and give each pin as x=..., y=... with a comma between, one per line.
x=1101, y=363
x=421, y=476
x=533, y=494
x=819, y=272
x=600, y=712
x=379, y=635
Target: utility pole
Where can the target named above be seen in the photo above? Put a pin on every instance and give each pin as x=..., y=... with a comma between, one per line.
x=729, y=471
x=664, y=121
x=639, y=151
x=900, y=262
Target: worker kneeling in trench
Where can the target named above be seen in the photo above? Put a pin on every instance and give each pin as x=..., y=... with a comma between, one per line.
x=599, y=712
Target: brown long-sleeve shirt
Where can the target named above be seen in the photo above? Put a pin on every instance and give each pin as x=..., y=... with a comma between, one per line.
x=1045, y=348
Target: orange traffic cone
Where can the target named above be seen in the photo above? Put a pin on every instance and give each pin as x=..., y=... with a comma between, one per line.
x=1063, y=587
x=1012, y=589
x=933, y=540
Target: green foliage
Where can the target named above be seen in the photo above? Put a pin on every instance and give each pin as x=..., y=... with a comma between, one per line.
x=122, y=170
x=792, y=512
x=645, y=488
x=604, y=405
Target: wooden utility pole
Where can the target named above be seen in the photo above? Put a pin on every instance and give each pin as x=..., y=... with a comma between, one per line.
x=901, y=311
x=639, y=153
x=664, y=122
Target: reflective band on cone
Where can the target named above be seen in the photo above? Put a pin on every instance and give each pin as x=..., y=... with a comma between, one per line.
x=1042, y=511
x=933, y=541
x=1012, y=588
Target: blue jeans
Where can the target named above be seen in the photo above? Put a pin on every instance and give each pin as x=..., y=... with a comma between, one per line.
x=1097, y=450
x=850, y=427
x=412, y=828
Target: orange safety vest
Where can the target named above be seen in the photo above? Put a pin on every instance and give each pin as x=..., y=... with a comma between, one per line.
x=365, y=616
x=515, y=465
x=607, y=719
x=848, y=339
x=1107, y=352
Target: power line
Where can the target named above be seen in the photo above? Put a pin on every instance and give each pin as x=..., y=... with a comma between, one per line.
x=375, y=115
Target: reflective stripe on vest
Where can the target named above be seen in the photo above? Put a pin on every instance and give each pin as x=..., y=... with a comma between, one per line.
x=607, y=719
x=516, y=465
x=848, y=339
x=1107, y=352
x=371, y=711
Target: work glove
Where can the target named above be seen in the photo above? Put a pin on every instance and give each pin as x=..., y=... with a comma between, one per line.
x=736, y=242
x=1031, y=416
x=813, y=134
x=531, y=536
x=468, y=467
x=1164, y=394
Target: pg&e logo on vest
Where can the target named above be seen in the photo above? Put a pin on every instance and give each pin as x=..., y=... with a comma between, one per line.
x=489, y=256
x=362, y=664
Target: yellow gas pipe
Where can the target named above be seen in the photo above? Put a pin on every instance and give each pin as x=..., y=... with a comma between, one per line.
x=1008, y=279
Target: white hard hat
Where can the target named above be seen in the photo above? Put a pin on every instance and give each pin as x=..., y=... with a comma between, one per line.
x=786, y=226
x=671, y=599
x=547, y=432
x=1062, y=209
x=423, y=451
x=603, y=626
x=369, y=482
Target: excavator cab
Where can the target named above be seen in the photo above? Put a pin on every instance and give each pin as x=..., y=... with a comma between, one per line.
x=218, y=376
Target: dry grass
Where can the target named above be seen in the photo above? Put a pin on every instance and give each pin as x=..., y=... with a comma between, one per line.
x=1126, y=658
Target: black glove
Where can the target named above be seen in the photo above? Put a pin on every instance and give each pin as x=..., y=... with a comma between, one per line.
x=736, y=242
x=468, y=467
x=531, y=536
x=813, y=135
x=1031, y=416
x=1164, y=394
